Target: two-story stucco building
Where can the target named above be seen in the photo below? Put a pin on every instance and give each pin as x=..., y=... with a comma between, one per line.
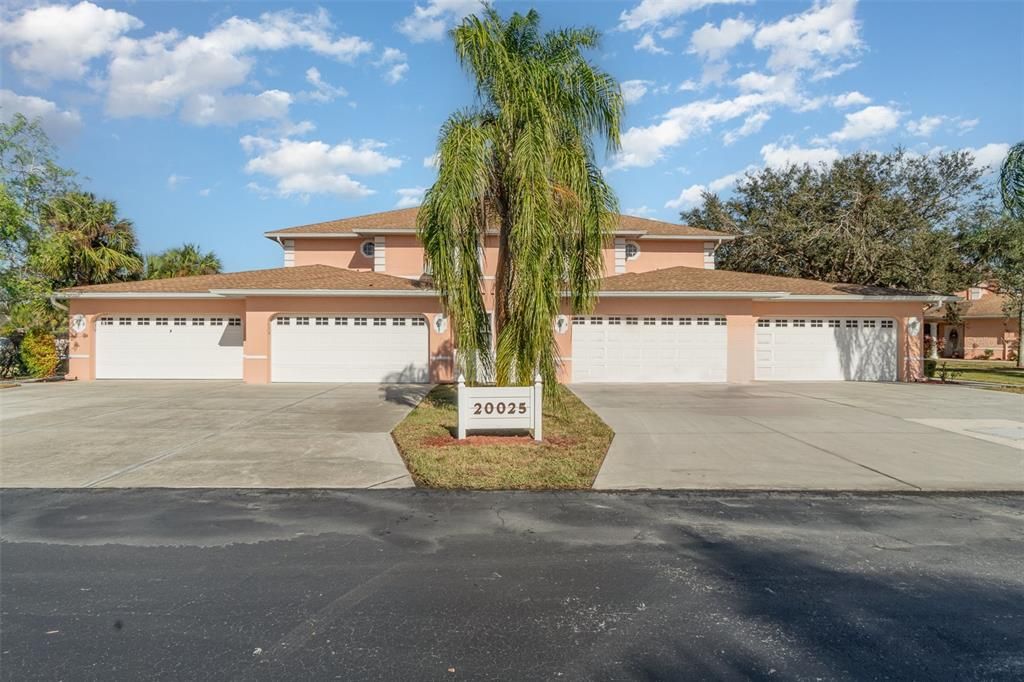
x=352, y=303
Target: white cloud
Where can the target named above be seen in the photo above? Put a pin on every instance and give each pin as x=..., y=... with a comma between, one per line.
x=641, y=211
x=850, y=99
x=644, y=146
x=396, y=73
x=409, y=197
x=634, y=90
x=967, y=125
x=752, y=124
x=691, y=195
x=289, y=129
x=430, y=21
x=714, y=72
x=58, y=123
x=925, y=126
x=826, y=72
x=229, y=109
x=647, y=43
x=155, y=76
x=780, y=84
x=59, y=41
x=653, y=12
x=777, y=157
x=305, y=168
x=990, y=157
x=687, y=198
x=323, y=91
x=395, y=63
x=688, y=85
x=431, y=161
x=670, y=31
x=822, y=34
x=205, y=192
x=173, y=180
x=868, y=122
x=711, y=42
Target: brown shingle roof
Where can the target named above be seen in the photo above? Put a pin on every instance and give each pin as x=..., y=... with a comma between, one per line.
x=310, y=277
x=697, y=279
x=405, y=219
x=989, y=305
x=326, y=277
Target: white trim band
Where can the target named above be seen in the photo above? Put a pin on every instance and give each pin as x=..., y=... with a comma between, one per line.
x=340, y=293
x=254, y=357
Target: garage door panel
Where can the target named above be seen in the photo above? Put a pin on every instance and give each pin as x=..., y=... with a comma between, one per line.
x=837, y=349
x=176, y=347
x=649, y=349
x=373, y=349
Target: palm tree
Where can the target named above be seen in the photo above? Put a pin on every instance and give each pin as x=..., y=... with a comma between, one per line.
x=521, y=161
x=1011, y=181
x=185, y=260
x=87, y=243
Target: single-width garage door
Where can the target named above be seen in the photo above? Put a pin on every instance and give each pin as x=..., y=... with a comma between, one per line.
x=327, y=348
x=825, y=349
x=169, y=347
x=649, y=349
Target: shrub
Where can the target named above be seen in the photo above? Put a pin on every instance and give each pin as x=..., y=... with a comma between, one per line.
x=987, y=354
x=929, y=368
x=39, y=353
x=10, y=354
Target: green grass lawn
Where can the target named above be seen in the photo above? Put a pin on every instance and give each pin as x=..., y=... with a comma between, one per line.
x=569, y=457
x=987, y=371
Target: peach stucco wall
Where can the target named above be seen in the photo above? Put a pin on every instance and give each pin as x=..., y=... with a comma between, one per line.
x=340, y=253
x=404, y=254
x=665, y=253
x=741, y=316
x=996, y=334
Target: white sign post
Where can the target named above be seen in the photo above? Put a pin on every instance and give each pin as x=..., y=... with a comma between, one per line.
x=501, y=408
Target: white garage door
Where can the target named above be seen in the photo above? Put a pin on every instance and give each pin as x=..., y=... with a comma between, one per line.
x=327, y=348
x=823, y=349
x=649, y=349
x=169, y=347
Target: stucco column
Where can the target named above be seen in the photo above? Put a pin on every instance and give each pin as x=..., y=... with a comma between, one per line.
x=256, y=347
x=82, y=348
x=911, y=348
x=741, y=342
x=442, y=349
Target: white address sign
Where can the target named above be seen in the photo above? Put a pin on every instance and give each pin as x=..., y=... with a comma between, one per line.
x=501, y=408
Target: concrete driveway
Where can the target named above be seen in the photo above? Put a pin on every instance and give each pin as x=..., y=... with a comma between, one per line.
x=813, y=436
x=202, y=434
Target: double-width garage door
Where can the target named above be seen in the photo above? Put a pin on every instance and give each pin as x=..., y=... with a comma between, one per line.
x=333, y=348
x=649, y=349
x=824, y=349
x=169, y=347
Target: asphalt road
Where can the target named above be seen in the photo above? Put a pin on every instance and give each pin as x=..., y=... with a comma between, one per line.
x=408, y=585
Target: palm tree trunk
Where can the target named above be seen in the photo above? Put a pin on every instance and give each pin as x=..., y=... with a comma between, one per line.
x=1020, y=334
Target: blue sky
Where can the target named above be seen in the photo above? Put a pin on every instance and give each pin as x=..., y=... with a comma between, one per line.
x=213, y=122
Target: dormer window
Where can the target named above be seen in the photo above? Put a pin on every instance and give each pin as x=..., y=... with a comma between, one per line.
x=367, y=249
x=632, y=250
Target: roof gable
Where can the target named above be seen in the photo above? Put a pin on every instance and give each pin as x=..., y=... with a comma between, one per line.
x=303, y=277
x=405, y=219
x=685, y=279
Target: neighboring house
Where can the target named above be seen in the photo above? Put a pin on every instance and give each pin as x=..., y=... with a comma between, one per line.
x=353, y=303
x=983, y=332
